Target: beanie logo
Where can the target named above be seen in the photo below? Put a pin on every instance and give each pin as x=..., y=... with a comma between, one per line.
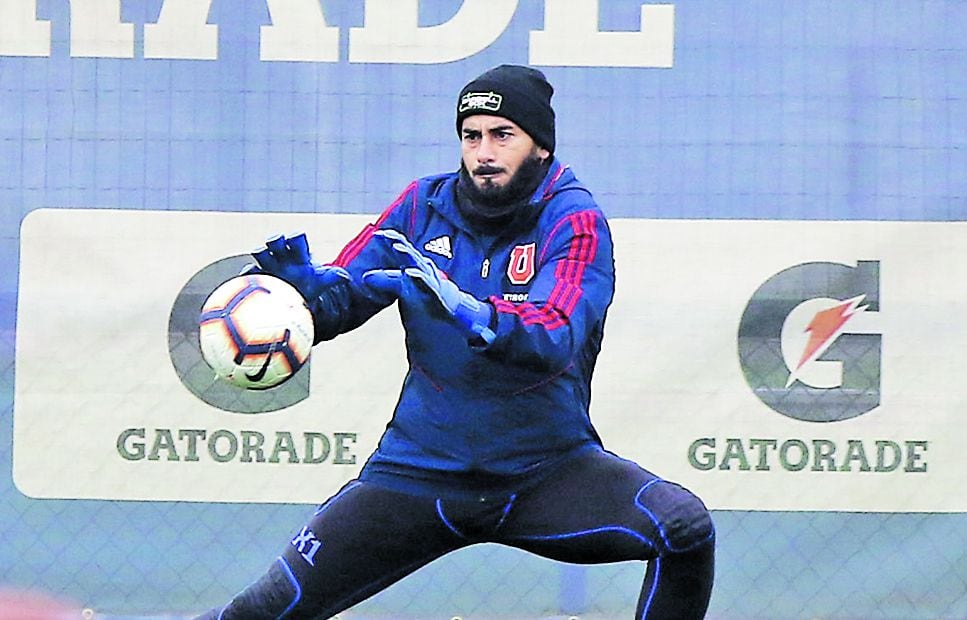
x=489, y=101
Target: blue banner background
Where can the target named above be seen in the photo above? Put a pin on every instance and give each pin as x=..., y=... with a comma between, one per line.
x=805, y=109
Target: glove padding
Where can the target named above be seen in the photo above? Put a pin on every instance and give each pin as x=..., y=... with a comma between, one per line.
x=424, y=282
x=290, y=260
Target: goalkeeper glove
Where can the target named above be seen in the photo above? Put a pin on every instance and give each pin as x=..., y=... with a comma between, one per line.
x=290, y=260
x=423, y=282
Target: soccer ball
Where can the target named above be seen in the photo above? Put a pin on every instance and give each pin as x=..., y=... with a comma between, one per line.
x=255, y=331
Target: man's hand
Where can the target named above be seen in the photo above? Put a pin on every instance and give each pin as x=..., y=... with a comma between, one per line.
x=419, y=279
x=290, y=260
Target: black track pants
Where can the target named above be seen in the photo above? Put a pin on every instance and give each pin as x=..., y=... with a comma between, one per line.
x=593, y=508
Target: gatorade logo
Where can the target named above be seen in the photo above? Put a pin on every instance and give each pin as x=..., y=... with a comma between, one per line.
x=808, y=341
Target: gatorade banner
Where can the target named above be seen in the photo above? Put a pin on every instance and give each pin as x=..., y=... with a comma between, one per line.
x=766, y=365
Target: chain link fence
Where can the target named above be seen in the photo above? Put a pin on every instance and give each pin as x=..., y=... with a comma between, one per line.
x=126, y=559
x=801, y=110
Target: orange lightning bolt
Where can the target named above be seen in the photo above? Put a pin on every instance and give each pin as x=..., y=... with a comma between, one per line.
x=823, y=330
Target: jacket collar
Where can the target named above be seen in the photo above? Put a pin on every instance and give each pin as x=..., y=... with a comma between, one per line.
x=441, y=193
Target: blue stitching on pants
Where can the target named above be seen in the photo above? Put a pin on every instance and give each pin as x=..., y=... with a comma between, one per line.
x=658, y=525
x=650, y=514
x=503, y=517
x=335, y=497
x=450, y=526
x=607, y=528
x=654, y=589
x=295, y=584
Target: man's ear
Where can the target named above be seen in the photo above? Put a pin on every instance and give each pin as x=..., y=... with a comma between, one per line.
x=543, y=153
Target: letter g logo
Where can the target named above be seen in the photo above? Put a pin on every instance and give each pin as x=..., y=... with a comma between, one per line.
x=803, y=344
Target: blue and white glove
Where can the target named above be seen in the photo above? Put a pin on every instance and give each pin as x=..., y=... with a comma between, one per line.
x=422, y=281
x=290, y=260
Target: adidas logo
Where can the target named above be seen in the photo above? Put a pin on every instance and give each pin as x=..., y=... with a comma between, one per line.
x=440, y=245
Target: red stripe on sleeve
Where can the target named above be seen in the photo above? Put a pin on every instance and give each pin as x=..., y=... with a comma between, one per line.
x=356, y=245
x=569, y=273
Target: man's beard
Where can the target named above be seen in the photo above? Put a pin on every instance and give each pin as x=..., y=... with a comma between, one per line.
x=520, y=186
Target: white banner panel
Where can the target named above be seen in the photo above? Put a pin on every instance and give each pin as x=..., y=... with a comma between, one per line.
x=100, y=411
x=791, y=365
x=766, y=365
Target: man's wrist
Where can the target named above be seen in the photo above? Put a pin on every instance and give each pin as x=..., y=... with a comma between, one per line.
x=477, y=317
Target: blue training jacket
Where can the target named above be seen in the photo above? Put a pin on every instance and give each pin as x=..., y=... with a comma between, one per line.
x=471, y=417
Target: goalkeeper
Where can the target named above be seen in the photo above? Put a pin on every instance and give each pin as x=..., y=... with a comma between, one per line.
x=503, y=274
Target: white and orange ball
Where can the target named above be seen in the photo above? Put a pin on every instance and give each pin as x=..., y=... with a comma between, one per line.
x=255, y=331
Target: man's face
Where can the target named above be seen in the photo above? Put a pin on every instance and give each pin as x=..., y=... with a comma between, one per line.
x=493, y=150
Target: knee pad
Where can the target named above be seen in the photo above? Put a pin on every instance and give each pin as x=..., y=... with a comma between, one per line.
x=272, y=596
x=682, y=520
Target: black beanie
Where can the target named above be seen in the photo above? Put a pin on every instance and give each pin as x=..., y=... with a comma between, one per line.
x=521, y=94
